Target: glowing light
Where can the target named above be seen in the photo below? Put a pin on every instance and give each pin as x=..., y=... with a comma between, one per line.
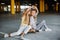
x=57, y=3
x=2, y=3
x=9, y=6
x=23, y=7
x=55, y=0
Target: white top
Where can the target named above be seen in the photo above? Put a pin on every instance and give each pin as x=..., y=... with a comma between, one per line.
x=33, y=22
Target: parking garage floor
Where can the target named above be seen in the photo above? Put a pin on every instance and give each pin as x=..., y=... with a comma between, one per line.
x=10, y=23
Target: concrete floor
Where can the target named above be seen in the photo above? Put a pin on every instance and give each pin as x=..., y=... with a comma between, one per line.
x=9, y=23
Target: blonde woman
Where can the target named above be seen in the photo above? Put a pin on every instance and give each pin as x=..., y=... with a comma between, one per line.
x=24, y=28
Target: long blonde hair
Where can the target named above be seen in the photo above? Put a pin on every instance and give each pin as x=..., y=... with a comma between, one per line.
x=26, y=18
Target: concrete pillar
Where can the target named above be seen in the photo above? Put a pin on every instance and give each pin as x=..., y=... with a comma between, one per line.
x=12, y=7
x=18, y=6
x=42, y=9
x=57, y=7
x=46, y=7
x=2, y=8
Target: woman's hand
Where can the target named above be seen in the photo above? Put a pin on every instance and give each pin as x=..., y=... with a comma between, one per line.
x=34, y=7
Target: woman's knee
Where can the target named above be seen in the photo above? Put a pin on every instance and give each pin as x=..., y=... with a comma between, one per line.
x=43, y=21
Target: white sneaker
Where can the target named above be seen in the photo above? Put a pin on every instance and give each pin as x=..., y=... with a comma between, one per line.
x=48, y=29
x=2, y=33
x=40, y=30
x=6, y=35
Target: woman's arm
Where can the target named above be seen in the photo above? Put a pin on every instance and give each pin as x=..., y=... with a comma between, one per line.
x=27, y=10
x=37, y=11
x=34, y=7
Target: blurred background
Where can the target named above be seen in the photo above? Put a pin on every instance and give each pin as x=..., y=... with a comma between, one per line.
x=11, y=12
x=16, y=6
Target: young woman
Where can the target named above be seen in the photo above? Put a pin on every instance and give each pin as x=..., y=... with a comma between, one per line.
x=24, y=28
x=33, y=21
